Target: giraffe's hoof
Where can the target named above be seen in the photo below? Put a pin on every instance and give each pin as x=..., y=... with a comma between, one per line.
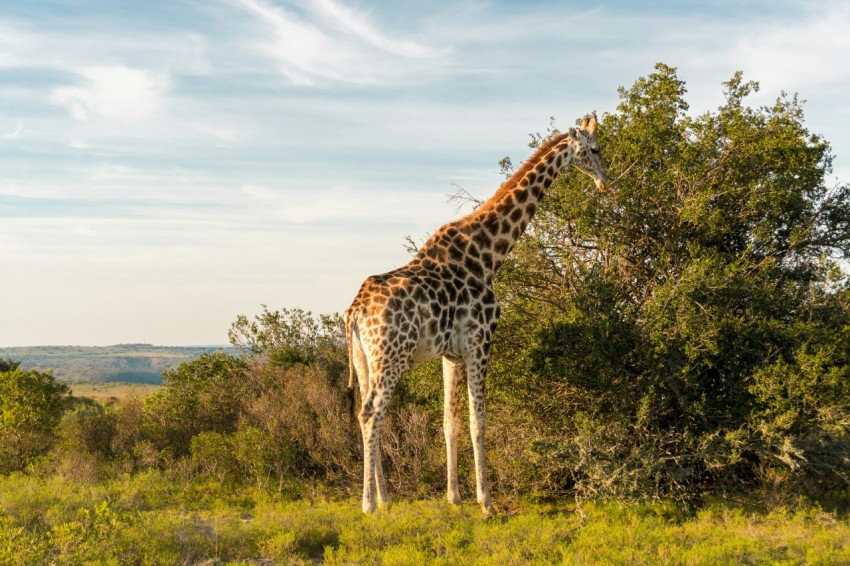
x=488, y=511
x=453, y=498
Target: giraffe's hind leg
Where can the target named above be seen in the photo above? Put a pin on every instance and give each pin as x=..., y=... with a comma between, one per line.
x=383, y=498
x=452, y=376
x=371, y=418
x=367, y=427
x=373, y=480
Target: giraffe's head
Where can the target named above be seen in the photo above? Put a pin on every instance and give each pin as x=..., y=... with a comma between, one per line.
x=587, y=158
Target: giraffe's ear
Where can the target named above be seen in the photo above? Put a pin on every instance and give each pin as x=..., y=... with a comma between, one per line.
x=572, y=133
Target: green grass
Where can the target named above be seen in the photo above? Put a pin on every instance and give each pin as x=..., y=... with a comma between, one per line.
x=154, y=518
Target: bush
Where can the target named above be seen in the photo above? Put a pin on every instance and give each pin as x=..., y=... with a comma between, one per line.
x=84, y=448
x=205, y=395
x=291, y=337
x=261, y=457
x=307, y=419
x=413, y=451
x=212, y=454
x=801, y=423
x=31, y=405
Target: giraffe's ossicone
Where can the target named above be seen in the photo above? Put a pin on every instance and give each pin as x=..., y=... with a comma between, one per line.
x=442, y=305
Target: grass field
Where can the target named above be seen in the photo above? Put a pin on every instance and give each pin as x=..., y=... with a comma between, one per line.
x=154, y=518
x=105, y=390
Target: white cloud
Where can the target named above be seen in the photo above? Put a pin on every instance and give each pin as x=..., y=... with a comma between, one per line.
x=77, y=143
x=117, y=173
x=114, y=92
x=798, y=55
x=358, y=25
x=225, y=135
x=16, y=133
x=300, y=47
x=362, y=205
x=37, y=44
x=84, y=230
x=337, y=43
x=260, y=192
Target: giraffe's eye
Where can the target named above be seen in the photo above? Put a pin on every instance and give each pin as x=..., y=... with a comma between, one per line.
x=594, y=150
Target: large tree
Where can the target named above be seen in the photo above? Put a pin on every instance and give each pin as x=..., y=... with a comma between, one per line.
x=690, y=328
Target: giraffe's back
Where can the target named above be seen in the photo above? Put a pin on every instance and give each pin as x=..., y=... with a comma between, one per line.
x=429, y=307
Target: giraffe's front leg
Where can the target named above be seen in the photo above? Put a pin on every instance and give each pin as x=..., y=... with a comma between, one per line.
x=452, y=375
x=475, y=386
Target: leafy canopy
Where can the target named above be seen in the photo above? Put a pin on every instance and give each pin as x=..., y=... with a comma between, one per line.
x=698, y=312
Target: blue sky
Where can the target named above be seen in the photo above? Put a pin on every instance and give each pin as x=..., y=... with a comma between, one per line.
x=168, y=165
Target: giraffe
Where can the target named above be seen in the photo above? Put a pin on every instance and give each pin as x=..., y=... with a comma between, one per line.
x=442, y=305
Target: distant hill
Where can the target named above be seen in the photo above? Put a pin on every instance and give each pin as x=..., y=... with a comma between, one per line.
x=131, y=363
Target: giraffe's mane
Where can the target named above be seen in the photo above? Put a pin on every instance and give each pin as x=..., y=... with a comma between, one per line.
x=529, y=164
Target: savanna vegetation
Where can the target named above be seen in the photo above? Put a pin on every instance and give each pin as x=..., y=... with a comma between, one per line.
x=670, y=383
x=157, y=518
x=127, y=363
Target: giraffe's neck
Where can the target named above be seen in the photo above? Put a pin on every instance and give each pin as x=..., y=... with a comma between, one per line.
x=503, y=218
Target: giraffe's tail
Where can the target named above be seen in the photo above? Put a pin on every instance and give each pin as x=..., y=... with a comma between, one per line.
x=349, y=340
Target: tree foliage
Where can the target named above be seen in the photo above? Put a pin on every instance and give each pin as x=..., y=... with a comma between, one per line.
x=205, y=395
x=31, y=405
x=292, y=336
x=689, y=328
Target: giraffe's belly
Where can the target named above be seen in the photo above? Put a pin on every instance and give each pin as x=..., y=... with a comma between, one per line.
x=433, y=342
x=427, y=350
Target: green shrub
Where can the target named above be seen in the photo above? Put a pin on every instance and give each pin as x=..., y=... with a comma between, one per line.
x=212, y=454
x=262, y=458
x=84, y=448
x=31, y=405
x=305, y=418
x=205, y=395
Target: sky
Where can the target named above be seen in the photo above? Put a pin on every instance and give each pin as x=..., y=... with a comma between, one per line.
x=170, y=164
